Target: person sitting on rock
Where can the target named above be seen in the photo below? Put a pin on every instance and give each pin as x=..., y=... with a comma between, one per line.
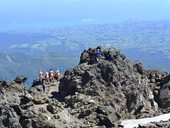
x=41, y=80
x=57, y=75
x=47, y=77
x=51, y=75
x=97, y=54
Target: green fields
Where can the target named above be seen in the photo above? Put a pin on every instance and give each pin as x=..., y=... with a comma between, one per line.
x=26, y=51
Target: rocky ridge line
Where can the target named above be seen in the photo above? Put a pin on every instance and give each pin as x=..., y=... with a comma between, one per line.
x=89, y=95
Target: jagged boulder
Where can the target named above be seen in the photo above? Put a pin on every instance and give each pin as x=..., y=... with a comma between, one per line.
x=8, y=118
x=164, y=93
x=113, y=82
x=139, y=68
x=3, y=83
x=154, y=79
x=20, y=79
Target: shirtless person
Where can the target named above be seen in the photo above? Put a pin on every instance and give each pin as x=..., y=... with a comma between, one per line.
x=47, y=79
x=57, y=75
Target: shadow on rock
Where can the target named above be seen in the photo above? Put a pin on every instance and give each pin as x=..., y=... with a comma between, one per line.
x=57, y=96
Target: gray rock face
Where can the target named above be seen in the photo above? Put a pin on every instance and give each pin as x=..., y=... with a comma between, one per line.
x=112, y=82
x=9, y=99
x=8, y=118
x=93, y=94
x=17, y=108
x=164, y=93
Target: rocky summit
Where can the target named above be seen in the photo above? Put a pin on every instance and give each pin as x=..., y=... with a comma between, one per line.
x=96, y=93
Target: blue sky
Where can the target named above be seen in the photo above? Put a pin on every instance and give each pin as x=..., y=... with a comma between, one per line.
x=20, y=14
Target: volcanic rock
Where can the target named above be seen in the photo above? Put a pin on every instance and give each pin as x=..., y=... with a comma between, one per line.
x=20, y=79
x=164, y=93
x=92, y=94
x=113, y=82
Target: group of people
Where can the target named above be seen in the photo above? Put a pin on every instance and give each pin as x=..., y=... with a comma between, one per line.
x=49, y=77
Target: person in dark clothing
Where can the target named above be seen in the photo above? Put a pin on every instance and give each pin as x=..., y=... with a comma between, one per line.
x=41, y=80
x=97, y=54
x=51, y=76
x=43, y=85
x=57, y=75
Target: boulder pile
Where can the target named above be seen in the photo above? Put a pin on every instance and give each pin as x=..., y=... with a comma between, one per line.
x=117, y=88
x=93, y=94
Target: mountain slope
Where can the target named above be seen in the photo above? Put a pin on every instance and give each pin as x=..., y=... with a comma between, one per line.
x=13, y=64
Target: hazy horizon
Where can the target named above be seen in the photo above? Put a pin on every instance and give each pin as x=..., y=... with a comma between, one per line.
x=30, y=14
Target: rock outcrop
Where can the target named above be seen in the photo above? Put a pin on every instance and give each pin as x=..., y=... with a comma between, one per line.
x=164, y=93
x=92, y=94
x=117, y=89
x=20, y=79
x=154, y=80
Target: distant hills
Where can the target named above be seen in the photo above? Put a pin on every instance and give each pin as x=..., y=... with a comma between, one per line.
x=27, y=51
x=13, y=64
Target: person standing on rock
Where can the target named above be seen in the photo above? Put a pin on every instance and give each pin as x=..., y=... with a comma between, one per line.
x=51, y=75
x=57, y=75
x=97, y=54
x=41, y=80
x=41, y=76
x=47, y=79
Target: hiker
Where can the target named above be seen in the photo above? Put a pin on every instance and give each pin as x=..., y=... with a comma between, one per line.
x=47, y=79
x=51, y=75
x=57, y=75
x=41, y=80
x=97, y=54
x=41, y=77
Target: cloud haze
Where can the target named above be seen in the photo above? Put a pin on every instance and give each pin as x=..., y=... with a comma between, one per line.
x=18, y=14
